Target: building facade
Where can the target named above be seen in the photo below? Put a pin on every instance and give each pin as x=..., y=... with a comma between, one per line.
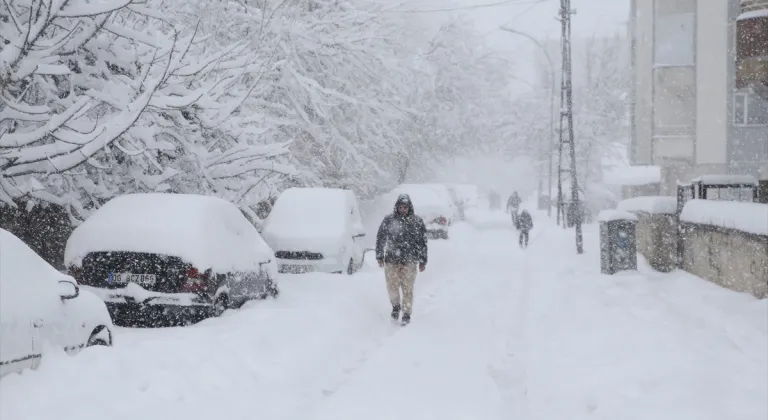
x=700, y=87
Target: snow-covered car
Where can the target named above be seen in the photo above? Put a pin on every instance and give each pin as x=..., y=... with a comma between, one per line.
x=38, y=305
x=466, y=194
x=170, y=257
x=316, y=229
x=433, y=203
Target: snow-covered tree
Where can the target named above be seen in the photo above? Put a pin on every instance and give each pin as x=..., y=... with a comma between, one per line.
x=111, y=97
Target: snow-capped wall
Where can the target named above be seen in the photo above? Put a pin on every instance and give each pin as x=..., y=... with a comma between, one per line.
x=745, y=217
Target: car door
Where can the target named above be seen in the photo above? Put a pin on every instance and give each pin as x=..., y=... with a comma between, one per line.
x=19, y=341
x=25, y=325
x=61, y=323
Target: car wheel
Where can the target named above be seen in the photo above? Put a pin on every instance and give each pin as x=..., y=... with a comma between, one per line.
x=220, y=305
x=351, y=267
x=96, y=340
x=272, y=289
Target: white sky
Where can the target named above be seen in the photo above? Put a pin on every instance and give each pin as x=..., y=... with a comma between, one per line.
x=534, y=17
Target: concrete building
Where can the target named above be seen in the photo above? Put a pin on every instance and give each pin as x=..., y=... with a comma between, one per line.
x=700, y=87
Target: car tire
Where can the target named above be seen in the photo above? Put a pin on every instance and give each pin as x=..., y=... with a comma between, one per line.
x=271, y=290
x=95, y=340
x=220, y=305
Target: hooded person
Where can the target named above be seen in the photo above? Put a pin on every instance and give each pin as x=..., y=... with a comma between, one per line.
x=401, y=248
x=513, y=205
x=525, y=224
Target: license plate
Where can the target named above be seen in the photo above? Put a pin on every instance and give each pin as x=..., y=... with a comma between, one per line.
x=140, y=279
x=295, y=269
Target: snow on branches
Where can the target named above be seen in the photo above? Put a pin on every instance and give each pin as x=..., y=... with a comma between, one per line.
x=110, y=97
x=234, y=99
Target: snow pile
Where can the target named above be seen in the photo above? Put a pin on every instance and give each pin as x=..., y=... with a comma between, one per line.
x=609, y=215
x=649, y=204
x=207, y=232
x=752, y=14
x=726, y=180
x=746, y=217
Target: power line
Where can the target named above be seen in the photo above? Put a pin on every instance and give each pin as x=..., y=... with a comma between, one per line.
x=477, y=6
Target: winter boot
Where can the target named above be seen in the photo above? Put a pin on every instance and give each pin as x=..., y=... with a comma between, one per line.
x=406, y=318
x=395, y=312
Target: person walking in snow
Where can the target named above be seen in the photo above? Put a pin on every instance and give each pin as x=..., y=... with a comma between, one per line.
x=525, y=224
x=513, y=205
x=401, y=248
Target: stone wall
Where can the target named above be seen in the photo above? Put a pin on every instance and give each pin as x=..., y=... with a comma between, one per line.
x=730, y=258
x=657, y=240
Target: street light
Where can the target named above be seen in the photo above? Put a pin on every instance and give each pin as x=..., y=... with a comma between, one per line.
x=551, y=114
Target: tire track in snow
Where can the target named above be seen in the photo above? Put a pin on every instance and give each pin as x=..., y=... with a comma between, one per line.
x=509, y=371
x=458, y=264
x=425, y=300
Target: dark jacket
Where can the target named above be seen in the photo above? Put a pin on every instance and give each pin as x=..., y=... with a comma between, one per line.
x=525, y=221
x=514, y=201
x=402, y=239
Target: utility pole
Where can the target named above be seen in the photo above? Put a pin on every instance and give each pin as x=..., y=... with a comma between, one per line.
x=567, y=139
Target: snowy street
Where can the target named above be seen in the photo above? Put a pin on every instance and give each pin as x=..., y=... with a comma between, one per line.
x=497, y=333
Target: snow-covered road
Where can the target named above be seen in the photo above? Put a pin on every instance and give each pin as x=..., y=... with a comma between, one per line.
x=497, y=333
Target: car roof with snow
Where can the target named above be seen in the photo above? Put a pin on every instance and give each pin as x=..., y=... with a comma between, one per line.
x=25, y=277
x=310, y=212
x=208, y=232
x=428, y=202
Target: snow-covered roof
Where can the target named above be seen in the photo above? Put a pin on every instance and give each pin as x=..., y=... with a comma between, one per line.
x=649, y=204
x=305, y=213
x=27, y=282
x=611, y=215
x=632, y=175
x=726, y=179
x=207, y=232
x=752, y=14
x=427, y=201
x=746, y=217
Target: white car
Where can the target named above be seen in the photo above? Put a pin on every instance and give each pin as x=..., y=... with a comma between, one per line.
x=156, y=257
x=316, y=229
x=39, y=304
x=467, y=194
x=431, y=202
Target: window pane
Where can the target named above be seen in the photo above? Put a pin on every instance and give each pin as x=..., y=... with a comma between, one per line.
x=757, y=110
x=739, y=117
x=674, y=40
x=674, y=97
x=668, y=7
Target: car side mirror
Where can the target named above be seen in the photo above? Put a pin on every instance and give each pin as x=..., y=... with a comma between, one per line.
x=68, y=290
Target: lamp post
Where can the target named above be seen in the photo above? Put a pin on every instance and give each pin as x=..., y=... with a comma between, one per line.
x=551, y=115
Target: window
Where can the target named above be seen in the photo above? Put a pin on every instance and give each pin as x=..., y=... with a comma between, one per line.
x=671, y=7
x=674, y=97
x=749, y=109
x=674, y=32
x=674, y=43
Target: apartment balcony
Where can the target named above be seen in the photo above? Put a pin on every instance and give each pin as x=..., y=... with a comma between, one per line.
x=752, y=45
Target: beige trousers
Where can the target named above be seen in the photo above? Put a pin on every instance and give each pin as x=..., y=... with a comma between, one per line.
x=400, y=278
